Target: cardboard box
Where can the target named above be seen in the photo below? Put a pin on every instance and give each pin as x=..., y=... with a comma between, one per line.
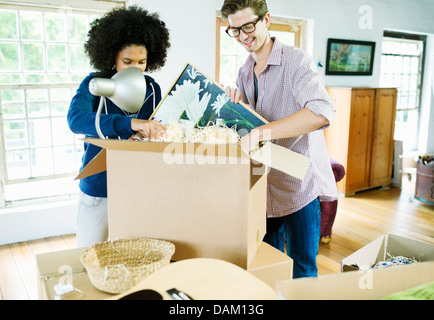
x=64, y=267
x=379, y=249
x=357, y=285
x=210, y=201
x=269, y=265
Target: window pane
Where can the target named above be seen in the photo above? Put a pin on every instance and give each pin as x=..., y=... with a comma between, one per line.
x=77, y=76
x=240, y=61
x=10, y=78
x=15, y=134
x=8, y=25
x=406, y=65
x=413, y=83
x=33, y=57
x=227, y=44
x=58, y=77
x=77, y=27
x=64, y=159
x=397, y=64
x=232, y=56
x=55, y=29
x=406, y=127
x=79, y=149
x=9, y=57
x=56, y=56
x=37, y=103
x=42, y=162
x=40, y=133
x=415, y=65
x=13, y=104
x=18, y=164
x=412, y=100
x=34, y=78
x=78, y=58
x=387, y=47
x=60, y=100
x=61, y=133
x=285, y=37
x=227, y=69
x=31, y=25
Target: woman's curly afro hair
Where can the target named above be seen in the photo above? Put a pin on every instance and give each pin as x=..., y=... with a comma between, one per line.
x=123, y=27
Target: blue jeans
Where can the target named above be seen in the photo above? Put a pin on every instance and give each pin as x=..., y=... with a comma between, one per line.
x=301, y=230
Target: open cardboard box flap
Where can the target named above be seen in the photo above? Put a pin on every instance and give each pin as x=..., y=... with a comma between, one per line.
x=379, y=249
x=271, y=155
x=359, y=285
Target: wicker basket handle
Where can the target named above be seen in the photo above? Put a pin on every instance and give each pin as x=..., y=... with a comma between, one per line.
x=120, y=266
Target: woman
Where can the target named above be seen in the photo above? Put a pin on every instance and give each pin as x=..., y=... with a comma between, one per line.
x=121, y=39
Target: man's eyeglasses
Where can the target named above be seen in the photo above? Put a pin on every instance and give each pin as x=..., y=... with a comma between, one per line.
x=248, y=27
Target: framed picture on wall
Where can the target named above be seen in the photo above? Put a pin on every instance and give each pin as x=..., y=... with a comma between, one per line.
x=350, y=57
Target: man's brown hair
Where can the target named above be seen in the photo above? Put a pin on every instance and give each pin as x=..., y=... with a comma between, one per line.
x=232, y=6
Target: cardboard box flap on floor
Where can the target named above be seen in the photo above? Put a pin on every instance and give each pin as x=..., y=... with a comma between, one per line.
x=63, y=267
x=357, y=285
x=388, y=244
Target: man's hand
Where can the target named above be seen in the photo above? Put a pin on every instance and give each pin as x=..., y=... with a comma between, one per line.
x=233, y=94
x=251, y=141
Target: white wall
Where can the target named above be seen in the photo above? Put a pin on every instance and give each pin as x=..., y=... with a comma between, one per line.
x=37, y=221
x=192, y=25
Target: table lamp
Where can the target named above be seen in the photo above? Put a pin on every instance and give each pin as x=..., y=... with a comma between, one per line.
x=127, y=90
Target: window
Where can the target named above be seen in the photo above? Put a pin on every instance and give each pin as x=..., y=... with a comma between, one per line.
x=402, y=67
x=42, y=62
x=231, y=55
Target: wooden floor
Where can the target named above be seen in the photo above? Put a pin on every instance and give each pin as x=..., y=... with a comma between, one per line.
x=360, y=219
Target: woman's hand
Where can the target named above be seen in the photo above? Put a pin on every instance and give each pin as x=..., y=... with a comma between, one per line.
x=137, y=136
x=147, y=128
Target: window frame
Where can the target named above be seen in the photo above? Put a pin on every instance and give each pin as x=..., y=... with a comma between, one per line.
x=69, y=6
x=423, y=39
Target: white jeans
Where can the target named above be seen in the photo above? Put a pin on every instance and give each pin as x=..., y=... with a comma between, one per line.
x=92, y=220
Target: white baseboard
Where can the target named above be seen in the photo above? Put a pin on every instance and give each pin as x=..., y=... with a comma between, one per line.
x=37, y=221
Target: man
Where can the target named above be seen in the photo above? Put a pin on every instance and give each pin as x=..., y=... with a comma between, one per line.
x=281, y=84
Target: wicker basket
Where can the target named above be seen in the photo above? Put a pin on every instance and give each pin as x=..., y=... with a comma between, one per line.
x=116, y=266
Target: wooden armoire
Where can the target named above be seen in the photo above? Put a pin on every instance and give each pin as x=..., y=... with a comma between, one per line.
x=361, y=136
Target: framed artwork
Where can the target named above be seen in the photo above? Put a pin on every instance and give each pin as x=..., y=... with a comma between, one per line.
x=198, y=101
x=350, y=57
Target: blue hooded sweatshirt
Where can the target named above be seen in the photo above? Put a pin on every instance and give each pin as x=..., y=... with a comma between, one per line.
x=114, y=124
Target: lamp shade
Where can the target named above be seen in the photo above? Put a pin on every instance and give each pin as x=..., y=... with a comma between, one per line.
x=127, y=89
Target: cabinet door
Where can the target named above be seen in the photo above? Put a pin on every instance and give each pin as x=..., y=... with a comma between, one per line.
x=360, y=140
x=382, y=139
